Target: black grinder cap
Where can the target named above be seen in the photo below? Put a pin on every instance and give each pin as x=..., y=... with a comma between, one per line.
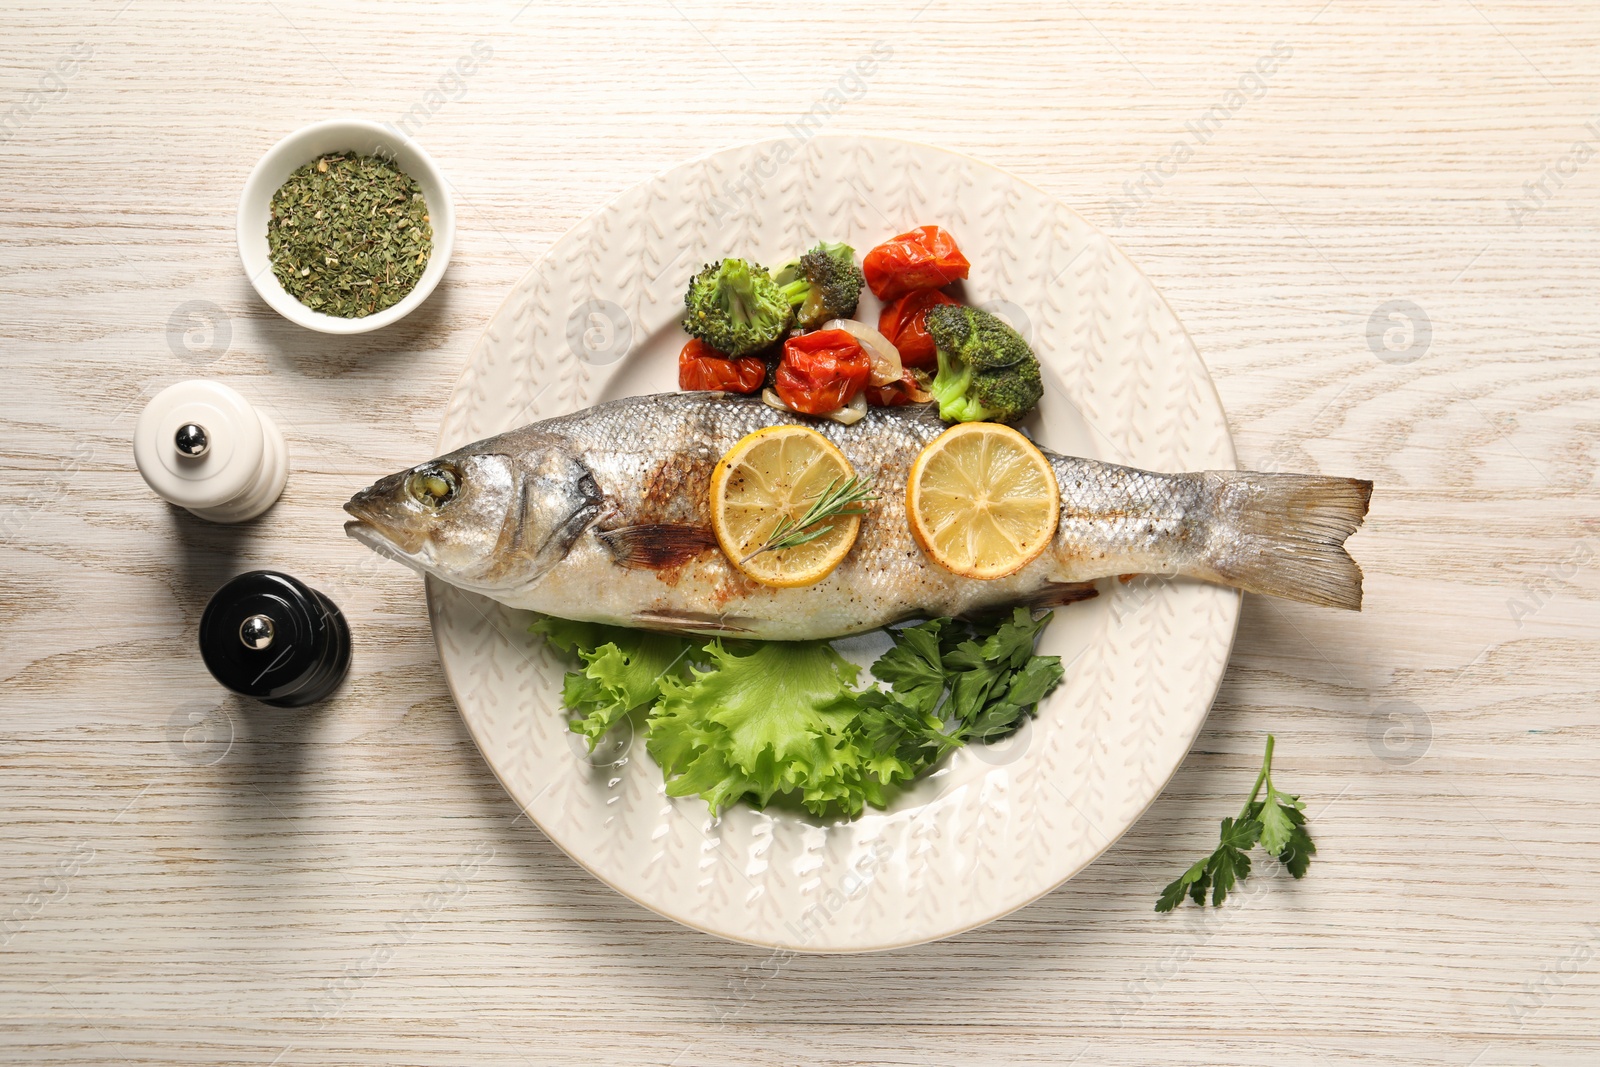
x=272, y=637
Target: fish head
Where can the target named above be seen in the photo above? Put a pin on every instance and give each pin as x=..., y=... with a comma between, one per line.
x=487, y=517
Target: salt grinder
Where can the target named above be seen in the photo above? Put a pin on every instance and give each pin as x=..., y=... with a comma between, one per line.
x=202, y=446
x=272, y=637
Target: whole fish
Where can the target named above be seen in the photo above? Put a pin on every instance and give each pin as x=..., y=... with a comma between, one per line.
x=603, y=516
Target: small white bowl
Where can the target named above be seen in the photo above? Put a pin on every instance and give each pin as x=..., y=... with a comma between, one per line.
x=303, y=146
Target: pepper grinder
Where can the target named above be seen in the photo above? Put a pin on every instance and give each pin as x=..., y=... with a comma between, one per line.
x=201, y=446
x=272, y=637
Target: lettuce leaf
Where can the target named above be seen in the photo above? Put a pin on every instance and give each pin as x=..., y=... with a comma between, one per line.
x=761, y=719
x=752, y=721
x=623, y=669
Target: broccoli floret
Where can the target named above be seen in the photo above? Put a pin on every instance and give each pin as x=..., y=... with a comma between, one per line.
x=987, y=372
x=823, y=284
x=1003, y=395
x=736, y=307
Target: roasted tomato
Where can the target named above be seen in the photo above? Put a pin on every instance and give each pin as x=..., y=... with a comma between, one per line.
x=702, y=367
x=910, y=389
x=821, y=371
x=925, y=258
x=904, y=323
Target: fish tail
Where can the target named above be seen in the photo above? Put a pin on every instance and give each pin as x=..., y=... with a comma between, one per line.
x=1283, y=535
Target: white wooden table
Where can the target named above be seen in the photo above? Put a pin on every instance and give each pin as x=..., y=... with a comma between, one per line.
x=1381, y=228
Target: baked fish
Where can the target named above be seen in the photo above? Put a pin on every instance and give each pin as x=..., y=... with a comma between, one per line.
x=602, y=516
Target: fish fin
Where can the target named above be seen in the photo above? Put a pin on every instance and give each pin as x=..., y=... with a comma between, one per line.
x=1052, y=595
x=1283, y=535
x=692, y=622
x=657, y=544
x=1057, y=594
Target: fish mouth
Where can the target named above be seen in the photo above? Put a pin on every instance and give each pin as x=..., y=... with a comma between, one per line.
x=361, y=525
x=365, y=532
x=360, y=505
x=360, y=528
x=367, y=526
x=357, y=506
x=373, y=524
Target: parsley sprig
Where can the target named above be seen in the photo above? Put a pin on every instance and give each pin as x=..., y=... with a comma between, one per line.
x=951, y=684
x=1276, y=822
x=838, y=500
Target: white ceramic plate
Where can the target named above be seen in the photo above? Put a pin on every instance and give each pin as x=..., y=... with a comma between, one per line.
x=998, y=826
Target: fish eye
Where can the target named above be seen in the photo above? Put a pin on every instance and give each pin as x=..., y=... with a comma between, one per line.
x=432, y=487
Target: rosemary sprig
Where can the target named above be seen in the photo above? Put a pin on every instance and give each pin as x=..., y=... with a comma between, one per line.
x=837, y=501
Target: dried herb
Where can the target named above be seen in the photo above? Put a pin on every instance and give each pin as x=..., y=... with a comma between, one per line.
x=349, y=235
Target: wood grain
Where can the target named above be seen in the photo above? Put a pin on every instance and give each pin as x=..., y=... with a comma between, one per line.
x=349, y=883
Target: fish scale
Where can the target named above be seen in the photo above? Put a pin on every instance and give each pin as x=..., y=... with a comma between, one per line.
x=604, y=514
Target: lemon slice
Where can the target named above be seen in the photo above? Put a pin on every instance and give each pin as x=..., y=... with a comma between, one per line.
x=982, y=501
x=768, y=476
